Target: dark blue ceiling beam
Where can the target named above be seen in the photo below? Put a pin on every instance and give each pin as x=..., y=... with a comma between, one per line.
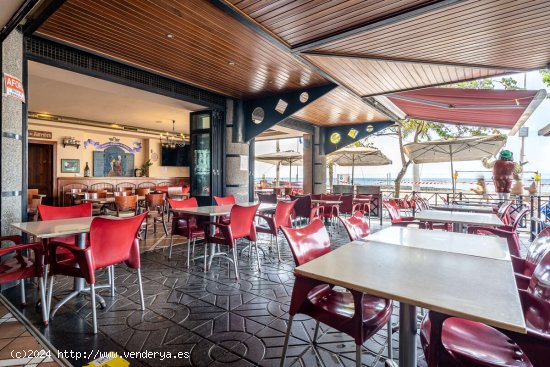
x=337, y=137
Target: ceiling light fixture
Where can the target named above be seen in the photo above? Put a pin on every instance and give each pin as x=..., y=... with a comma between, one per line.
x=170, y=36
x=172, y=140
x=231, y=63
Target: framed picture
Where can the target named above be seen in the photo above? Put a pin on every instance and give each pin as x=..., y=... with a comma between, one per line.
x=70, y=165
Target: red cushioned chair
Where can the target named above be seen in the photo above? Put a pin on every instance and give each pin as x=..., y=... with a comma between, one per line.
x=357, y=226
x=240, y=225
x=524, y=268
x=354, y=313
x=112, y=241
x=186, y=225
x=224, y=200
x=272, y=224
x=20, y=267
x=459, y=342
x=507, y=231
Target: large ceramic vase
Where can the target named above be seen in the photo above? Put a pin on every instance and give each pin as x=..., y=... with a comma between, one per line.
x=502, y=177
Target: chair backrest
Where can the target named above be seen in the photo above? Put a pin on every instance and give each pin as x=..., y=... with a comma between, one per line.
x=102, y=186
x=309, y=242
x=185, y=189
x=540, y=280
x=65, y=212
x=125, y=186
x=503, y=212
x=316, y=196
x=518, y=218
x=147, y=185
x=302, y=206
x=142, y=191
x=111, y=239
x=267, y=198
x=347, y=203
x=334, y=197
x=225, y=200
x=154, y=201
x=278, y=191
x=160, y=188
x=282, y=216
x=126, y=203
x=242, y=221
x=121, y=193
x=537, y=250
x=357, y=226
x=187, y=203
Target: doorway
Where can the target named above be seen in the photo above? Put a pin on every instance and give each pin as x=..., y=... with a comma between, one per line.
x=41, y=167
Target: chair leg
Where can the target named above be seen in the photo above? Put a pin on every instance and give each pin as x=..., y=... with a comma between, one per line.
x=358, y=355
x=258, y=256
x=278, y=250
x=316, y=332
x=171, y=244
x=50, y=291
x=45, y=316
x=205, y=256
x=193, y=249
x=189, y=253
x=23, y=295
x=140, y=283
x=94, y=311
x=390, y=343
x=236, y=262
x=165, y=228
x=146, y=228
x=112, y=280
x=287, y=336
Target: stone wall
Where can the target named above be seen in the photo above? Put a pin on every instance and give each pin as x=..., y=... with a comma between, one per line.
x=12, y=131
x=235, y=177
x=319, y=163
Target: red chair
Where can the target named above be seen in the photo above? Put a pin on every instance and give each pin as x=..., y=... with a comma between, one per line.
x=507, y=231
x=524, y=268
x=112, y=241
x=20, y=267
x=395, y=217
x=348, y=206
x=366, y=208
x=356, y=314
x=331, y=211
x=240, y=225
x=185, y=189
x=186, y=225
x=503, y=213
x=451, y=341
x=224, y=200
x=303, y=208
x=281, y=217
x=357, y=226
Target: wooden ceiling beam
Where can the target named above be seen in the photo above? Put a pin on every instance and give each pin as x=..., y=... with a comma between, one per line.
x=43, y=12
x=374, y=25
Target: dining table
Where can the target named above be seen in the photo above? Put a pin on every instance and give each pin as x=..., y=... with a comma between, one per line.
x=459, y=219
x=398, y=265
x=213, y=212
x=107, y=200
x=78, y=227
x=464, y=208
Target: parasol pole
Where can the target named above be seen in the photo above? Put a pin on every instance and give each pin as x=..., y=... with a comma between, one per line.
x=352, y=168
x=452, y=171
x=290, y=172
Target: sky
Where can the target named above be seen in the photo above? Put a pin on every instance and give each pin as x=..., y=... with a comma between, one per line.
x=537, y=148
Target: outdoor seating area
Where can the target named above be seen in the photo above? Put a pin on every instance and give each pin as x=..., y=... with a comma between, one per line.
x=274, y=183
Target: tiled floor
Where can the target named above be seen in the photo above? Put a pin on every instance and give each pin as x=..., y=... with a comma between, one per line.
x=213, y=317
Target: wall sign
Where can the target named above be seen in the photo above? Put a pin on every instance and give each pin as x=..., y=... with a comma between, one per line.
x=114, y=142
x=12, y=87
x=40, y=134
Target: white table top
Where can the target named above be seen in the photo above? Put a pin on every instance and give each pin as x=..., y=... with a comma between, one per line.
x=460, y=243
x=55, y=228
x=464, y=208
x=483, y=219
x=327, y=202
x=107, y=200
x=220, y=210
x=471, y=287
x=362, y=200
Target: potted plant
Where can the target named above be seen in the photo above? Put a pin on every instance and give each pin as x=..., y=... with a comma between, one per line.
x=145, y=168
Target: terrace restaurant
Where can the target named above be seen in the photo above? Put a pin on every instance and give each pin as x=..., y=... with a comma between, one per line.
x=132, y=228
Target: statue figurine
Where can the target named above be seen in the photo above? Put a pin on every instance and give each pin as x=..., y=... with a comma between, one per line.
x=502, y=174
x=517, y=189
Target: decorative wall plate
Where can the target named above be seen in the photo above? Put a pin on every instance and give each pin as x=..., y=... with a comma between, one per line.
x=154, y=156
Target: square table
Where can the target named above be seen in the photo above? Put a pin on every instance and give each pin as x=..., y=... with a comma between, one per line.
x=477, y=288
x=78, y=227
x=464, y=208
x=215, y=211
x=459, y=219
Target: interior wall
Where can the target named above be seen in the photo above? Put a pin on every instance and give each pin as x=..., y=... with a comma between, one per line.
x=83, y=133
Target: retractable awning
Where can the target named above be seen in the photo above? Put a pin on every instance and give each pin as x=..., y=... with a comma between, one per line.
x=545, y=131
x=503, y=109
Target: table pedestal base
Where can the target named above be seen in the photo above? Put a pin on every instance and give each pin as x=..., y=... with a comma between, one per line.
x=407, y=335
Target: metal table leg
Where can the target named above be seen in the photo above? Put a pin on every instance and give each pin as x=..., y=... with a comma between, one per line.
x=407, y=335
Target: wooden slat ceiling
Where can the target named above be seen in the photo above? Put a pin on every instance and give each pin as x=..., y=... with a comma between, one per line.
x=205, y=41
x=492, y=33
x=297, y=22
x=339, y=107
x=371, y=77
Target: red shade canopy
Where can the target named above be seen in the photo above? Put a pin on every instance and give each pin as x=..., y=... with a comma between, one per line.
x=507, y=109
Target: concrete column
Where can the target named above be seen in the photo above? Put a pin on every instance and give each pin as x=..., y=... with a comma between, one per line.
x=319, y=164
x=308, y=163
x=12, y=138
x=235, y=177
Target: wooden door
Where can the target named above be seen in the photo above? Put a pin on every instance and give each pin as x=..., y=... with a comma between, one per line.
x=41, y=170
